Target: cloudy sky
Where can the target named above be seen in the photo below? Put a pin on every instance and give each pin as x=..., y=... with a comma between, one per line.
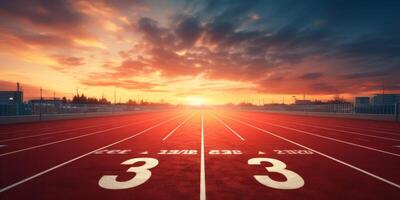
x=215, y=51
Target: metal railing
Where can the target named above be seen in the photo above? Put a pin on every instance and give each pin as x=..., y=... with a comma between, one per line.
x=49, y=108
x=52, y=108
x=390, y=110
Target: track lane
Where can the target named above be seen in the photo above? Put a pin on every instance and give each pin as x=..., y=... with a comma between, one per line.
x=174, y=177
x=378, y=126
x=67, y=130
x=376, y=162
x=372, y=134
x=316, y=171
x=27, y=129
x=16, y=146
x=27, y=163
x=178, y=176
x=383, y=133
x=387, y=144
x=375, y=144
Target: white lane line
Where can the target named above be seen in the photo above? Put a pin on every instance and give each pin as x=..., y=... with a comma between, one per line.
x=324, y=155
x=202, y=165
x=329, y=138
x=55, y=132
x=176, y=128
x=71, y=138
x=344, y=131
x=370, y=130
x=79, y=157
x=2, y=145
x=355, y=128
x=223, y=123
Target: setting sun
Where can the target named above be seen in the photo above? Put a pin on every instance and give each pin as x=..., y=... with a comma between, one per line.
x=195, y=101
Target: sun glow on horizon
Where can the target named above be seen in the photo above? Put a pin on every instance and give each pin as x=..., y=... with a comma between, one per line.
x=195, y=101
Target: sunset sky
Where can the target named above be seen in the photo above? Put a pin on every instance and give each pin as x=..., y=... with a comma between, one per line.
x=200, y=51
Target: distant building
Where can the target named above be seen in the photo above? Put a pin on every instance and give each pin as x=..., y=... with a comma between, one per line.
x=46, y=101
x=302, y=102
x=12, y=97
x=362, y=100
x=386, y=99
x=12, y=103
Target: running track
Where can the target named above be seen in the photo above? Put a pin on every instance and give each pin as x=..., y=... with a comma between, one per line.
x=201, y=154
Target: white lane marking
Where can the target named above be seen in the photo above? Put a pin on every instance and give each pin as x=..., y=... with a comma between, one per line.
x=144, y=152
x=202, y=165
x=79, y=157
x=261, y=153
x=344, y=131
x=329, y=138
x=71, y=138
x=355, y=128
x=3, y=145
x=324, y=155
x=177, y=128
x=397, y=146
x=240, y=137
x=55, y=132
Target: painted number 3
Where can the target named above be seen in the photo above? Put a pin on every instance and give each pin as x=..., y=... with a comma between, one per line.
x=293, y=180
x=142, y=175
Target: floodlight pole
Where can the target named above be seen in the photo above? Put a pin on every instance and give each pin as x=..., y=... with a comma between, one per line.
x=40, y=104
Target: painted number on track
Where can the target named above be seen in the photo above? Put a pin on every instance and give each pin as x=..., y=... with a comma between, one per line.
x=177, y=152
x=143, y=174
x=224, y=152
x=293, y=180
x=293, y=152
x=113, y=151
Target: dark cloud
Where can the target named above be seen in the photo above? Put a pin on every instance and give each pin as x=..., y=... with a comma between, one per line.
x=360, y=75
x=248, y=55
x=219, y=32
x=284, y=36
x=66, y=63
x=125, y=83
x=154, y=34
x=188, y=31
x=45, y=23
x=125, y=4
x=50, y=40
x=69, y=60
x=311, y=76
x=47, y=13
x=271, y=44
x=323, y=88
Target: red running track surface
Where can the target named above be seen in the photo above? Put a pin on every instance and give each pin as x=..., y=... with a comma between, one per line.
x=201, y=154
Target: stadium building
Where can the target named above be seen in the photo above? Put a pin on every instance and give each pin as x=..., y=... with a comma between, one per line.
x=386, y=99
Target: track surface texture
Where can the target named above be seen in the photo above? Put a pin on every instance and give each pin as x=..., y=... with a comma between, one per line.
x=201, y=154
